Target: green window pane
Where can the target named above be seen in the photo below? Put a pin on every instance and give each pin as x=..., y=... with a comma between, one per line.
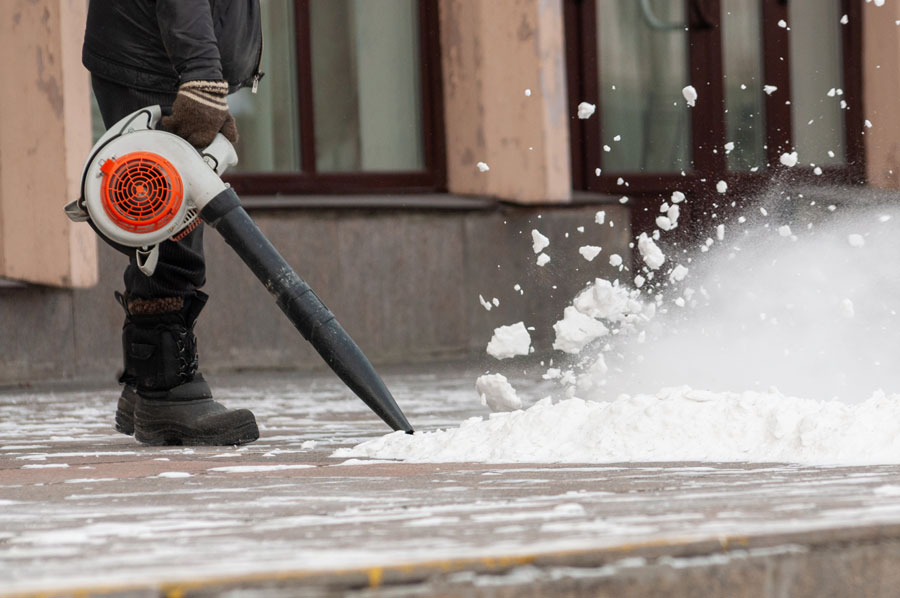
x=817, y=81
x=745, y=123
x=268, y=121
x=643, y=66
x=366, y=85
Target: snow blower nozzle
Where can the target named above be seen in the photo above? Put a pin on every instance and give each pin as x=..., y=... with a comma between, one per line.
x=142, y=186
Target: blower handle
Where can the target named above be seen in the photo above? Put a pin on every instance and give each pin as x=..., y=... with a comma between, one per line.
x=302, y=307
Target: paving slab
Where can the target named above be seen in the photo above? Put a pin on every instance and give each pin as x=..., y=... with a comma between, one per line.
x=87, y=511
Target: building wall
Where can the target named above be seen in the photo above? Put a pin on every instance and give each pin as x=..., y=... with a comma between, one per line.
x=404, y=284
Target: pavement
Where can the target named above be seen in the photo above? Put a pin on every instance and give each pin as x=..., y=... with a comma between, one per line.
x=85, y=511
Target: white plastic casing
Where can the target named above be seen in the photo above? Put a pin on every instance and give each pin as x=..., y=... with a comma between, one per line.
x=199, y=171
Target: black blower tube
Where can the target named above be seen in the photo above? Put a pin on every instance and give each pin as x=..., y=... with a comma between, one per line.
x=302, y=307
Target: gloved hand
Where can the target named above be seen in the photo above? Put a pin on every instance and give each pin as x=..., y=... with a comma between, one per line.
x=199, y=112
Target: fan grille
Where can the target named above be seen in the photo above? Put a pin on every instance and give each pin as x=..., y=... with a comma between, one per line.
x=142, y=192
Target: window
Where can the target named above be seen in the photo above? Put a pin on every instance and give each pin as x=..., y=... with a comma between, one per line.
x=772, y=77
x=350, y=101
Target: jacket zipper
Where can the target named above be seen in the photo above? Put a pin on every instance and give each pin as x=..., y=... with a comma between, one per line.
x=258, y=75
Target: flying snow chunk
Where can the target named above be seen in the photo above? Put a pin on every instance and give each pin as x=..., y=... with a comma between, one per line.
x=673, y=213
x=483, y=167
x=720, y=232
x=527, y=93
x=868, y=124
x=589, y=252
x=844, y=20
x=639, y=281
x=770, y=89
x=615, y=260
x=497, y=393
x=782, y=23
x=879, y=2
x=576, y=330
x=729, y=147
x=856, y=240
x=539, y=241
x=663, y=223
x=677, y=197
x=509, y=341
x=585, y=110
x=847, y=308
x=784, y=230
x=485, y=304
x=678, y=274
x=690, y=95
x=652, y=254
x=789, y=160
x=721, y=186
x=543, y=260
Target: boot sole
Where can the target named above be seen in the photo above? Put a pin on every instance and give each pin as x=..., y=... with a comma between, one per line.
x=125, y=413
x=174, y=434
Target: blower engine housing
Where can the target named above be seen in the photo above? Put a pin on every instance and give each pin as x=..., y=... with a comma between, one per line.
x=142, y=186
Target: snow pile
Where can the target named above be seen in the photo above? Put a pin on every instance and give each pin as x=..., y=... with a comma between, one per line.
x=509, y=341
x=676, y=424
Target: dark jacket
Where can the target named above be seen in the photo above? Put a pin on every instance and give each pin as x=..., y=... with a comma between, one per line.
x=157, y=44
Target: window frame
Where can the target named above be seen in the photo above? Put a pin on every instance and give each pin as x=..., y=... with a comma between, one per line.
x=708, y=127
x=308, y=180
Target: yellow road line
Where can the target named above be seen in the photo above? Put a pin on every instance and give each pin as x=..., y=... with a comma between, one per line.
x=374, y=575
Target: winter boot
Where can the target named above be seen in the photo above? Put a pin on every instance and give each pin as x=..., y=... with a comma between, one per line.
x=166, y=401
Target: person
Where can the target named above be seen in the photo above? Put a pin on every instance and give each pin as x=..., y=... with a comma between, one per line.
x=186, y=56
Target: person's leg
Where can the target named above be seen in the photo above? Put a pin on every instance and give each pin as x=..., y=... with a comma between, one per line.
x=165, y=399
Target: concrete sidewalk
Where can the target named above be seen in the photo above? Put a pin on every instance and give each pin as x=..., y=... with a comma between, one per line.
x=86, y=511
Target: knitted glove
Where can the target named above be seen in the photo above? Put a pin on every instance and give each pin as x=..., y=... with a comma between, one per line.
x=199, y=112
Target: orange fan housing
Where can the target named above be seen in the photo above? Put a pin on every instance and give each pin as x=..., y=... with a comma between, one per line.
x=141, y=191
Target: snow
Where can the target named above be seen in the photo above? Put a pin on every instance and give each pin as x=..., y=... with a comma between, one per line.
x=589, y=252
x=483, y=167
x=650, y=252
x=770, y=89
x=789, y=159
x=539, y=241
x=586, y=110
x=497, y=393
x=576, y=330
x=721, y=186
x=509, y=341
x=543, y=260
x=615, y=260
x=600, y=217
x=674, y=424
x=690, y=95
x=678, y=273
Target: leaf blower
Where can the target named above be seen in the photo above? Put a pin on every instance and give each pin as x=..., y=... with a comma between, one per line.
x=142, y=186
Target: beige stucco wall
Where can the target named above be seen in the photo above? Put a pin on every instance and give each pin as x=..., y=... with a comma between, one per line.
x=881, y=89
x=493, y=50
x=45, y=135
